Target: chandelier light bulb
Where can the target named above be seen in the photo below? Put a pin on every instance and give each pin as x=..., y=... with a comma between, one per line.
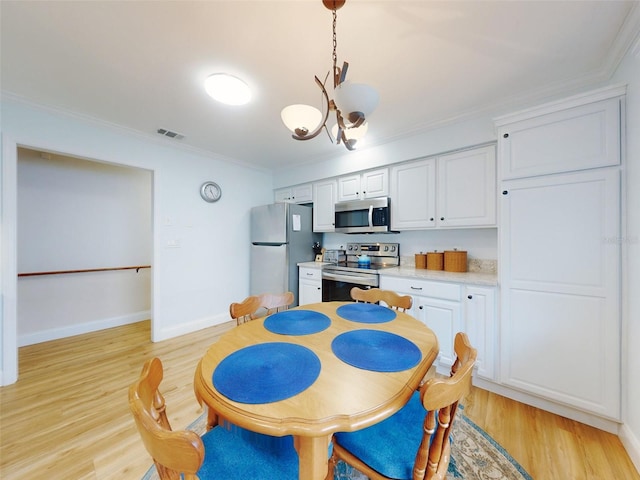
x=355, y=97
x=301, y=119
x=356, y=134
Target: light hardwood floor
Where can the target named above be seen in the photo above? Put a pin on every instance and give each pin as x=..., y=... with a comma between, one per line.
x=67, y=416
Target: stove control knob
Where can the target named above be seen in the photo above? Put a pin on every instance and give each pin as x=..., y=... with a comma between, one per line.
x=393, y=249
x=386, y=248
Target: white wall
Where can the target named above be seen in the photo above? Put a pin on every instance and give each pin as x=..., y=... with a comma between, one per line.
x=76, y=214
x=629, y=72
x=194, y=284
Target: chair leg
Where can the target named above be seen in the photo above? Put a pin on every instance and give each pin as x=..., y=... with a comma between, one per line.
x=332, y=466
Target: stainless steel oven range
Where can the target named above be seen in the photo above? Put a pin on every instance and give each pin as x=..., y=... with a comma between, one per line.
x=363, y=261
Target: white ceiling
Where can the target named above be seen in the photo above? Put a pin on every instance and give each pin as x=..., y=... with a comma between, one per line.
x=141, y=64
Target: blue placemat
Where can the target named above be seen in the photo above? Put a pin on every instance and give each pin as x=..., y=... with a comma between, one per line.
x=297, y=322
x=366, y=313
x=267, y=372
x=376, y=350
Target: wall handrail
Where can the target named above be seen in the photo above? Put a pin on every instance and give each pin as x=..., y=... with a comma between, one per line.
x=86, y=270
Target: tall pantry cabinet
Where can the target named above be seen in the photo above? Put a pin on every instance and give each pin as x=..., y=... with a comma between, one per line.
x=560, y=263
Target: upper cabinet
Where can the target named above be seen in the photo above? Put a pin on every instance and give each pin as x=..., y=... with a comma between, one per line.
x=413, y=201
x=297, y=194
x=374, y=183
x=324, y=201
x=567, y=139
x=467, y=189
x=450, y=191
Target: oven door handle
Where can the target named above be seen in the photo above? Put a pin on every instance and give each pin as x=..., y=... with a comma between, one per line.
x=363, y=280
x=370, y=216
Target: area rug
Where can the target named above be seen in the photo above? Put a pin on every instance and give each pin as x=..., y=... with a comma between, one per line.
x=474, y=456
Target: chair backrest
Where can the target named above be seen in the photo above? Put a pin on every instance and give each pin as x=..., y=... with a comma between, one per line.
x=258, y=306
x=245, y=310
x=440, y=397
x=173, y=453
x=374, y=295
x=276, y=302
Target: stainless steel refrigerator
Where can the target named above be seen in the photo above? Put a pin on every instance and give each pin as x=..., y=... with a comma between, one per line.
x=281, y=237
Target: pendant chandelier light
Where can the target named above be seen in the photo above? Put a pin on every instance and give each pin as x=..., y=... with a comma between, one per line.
x=352, y=103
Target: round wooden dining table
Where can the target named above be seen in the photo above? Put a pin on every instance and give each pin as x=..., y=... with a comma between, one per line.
x=344, y=396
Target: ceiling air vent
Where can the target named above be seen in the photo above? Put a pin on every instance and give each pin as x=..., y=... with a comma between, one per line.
x=170, y=134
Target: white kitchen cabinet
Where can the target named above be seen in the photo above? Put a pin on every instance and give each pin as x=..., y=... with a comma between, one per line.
x=437, y=305
x=296, y=194
x=560, y=254
x=479, y=304
x=309, y=285
x=413, y=195
x=443, y=317
x=371, y=184
x=324, y=201
x=451, y=191
x=561, y=137
x=282, y=195
x=560, y=288
x=466, y=188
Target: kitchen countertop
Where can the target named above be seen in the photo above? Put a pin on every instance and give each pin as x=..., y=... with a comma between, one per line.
x=313, y=264
x=475, y=278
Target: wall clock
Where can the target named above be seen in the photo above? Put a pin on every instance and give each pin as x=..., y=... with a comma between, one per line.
x=210, y=192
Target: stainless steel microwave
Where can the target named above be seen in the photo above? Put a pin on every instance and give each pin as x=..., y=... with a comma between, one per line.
x=363, y=216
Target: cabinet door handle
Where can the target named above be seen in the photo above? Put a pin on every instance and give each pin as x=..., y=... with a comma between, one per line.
x=310, y=274
x=420, y=307
x=441, y=218
x=470, y=297
x=431, y=219
x=319, y=288
x=416, y=288
x=506, y=135
x=505, y=192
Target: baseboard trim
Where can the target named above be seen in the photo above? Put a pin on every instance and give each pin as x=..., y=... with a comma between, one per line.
x=79, y=329
x=590, y=419
x=160, y=334
x=631, y=444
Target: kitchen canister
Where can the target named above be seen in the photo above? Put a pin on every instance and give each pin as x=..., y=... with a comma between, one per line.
x=455, y=261
x=435, y=260
x=421, y=260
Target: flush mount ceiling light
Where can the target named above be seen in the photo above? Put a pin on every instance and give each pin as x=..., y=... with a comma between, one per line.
x=227, y=89
x=353, y=103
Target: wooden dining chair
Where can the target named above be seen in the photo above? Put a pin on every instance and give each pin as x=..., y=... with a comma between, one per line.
x=218, y=454
x=258, y=306
x=414, y=443
x=375, y=295
x=245, y=310
x=276, y=302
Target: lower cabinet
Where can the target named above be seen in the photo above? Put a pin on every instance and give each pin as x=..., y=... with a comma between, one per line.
x=449, y=308
x=480, y=325
x=309, y=285
x=443, y=317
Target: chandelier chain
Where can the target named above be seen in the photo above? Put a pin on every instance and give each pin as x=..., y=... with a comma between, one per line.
x=335, y=45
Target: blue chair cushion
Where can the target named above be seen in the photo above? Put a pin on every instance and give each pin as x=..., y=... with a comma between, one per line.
x=389, y=447
x=230, y=454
